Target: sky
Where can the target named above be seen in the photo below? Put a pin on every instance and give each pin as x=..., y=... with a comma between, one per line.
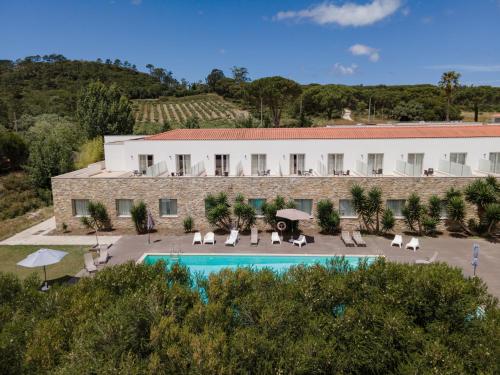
x=348, y=42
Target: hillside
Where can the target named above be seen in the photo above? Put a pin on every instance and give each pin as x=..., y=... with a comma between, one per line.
x=207, y=107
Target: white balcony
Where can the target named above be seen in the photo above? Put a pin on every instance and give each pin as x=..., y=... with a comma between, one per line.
x=454, y=169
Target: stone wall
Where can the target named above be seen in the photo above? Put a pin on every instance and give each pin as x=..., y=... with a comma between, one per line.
x=190, y=193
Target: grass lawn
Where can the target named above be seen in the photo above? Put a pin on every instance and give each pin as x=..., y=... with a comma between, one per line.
x=69, y=265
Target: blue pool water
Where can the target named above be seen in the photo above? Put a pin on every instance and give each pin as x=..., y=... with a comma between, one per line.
x=206, y=264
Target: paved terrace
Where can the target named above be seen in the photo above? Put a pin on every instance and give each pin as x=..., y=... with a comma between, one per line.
x=454, y=251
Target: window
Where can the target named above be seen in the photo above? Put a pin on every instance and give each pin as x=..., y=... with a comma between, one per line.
x=221, y=165
x=335, y=163
x=183, y=164
x=346, y=209
x=258, y=164
x=458, y=157
x=375, y=163
x=305, y=205
x=145, y=161
x=297, y=163
x=444, y=210
x=168, y=207
x=257, y=203
x=123, y=207
x=80, y=207
x=495, y=162
x=396, y=206
x=416, y=162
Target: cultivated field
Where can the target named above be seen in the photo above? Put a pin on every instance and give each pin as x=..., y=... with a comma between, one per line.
x=175, y=110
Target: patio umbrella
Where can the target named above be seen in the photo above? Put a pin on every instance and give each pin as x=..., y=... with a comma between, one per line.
x=150, y=225
x=293, y=214
x=42, y=258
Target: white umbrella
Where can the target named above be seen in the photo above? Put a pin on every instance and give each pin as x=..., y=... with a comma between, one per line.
x=293, y=214
x=150, y=225
x=42, y=258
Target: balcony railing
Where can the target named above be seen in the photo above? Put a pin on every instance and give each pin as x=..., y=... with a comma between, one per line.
x=198, y=169
x=455, y=169
x=361, y=168
x=157, y=169
x=322, y=170
x=239, y=169
x=486, y=166
x=408, y=169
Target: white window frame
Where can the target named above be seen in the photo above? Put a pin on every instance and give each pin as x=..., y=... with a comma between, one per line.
x=378, y=162
x=252, y=200
x=304, y=199
x=344, y=216
x=183, y=164
x=494, y=158
x=261, y=160
x=73, y=206
x=457, y=156
x=333, y=163
x=296, y=162
x=169, y=200
x=117, y=204
x=144, y=160
x=396, y=215
x=412, y=159
x=225, y=159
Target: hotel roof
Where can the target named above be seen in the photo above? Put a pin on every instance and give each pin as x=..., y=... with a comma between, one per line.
x=338, y=132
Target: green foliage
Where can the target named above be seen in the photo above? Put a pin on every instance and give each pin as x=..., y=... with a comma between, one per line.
x=136, y=319
x=218, y=211
x=368, y=206
x=98, y=218
x=244, y=213
x=413, y=212
x=215, y=76
x=90, y=152
x=429, y=224
x=434, y=207
x=449, y=84
x=275, y=93
x=53, y=140
x=456, y=212
x=409, y=111
x=150, y=128
x=328, y=217
x=139, y=216
x=492, y=216
x=387, y=221
x=17, y=196
x=240, y=74
x=188, y=224
x=103, y=110
x=269, y=210
x=13, y=151
x=191, y=123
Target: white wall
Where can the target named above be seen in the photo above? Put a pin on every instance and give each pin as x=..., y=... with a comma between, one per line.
x=124, y=155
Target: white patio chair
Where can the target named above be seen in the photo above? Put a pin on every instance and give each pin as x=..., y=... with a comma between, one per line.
x=300, y=241
x=103, y=256
x=254, y=236
x=89, y=263
x=197, y=238
x=275, y=237
x=413, y=244
x=398, y=240
x=209, y=238
x=232, y=239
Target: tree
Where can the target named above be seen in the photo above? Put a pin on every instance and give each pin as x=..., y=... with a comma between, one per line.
x=387, y=220
x=409, y=111
x=492, y=216
x=13, y=151
x=98, y=218
x=90, y=152
x=103, y=110
x=434, y=207
x=328, y=217
x=215, y=76
x=191, y=123
x=413, y=212
x=218, y=211
x=53, y=140
x=240, y=74
x=150, y=128
x=368, y=206
x=275, y=93
x=139, y=215
x=456, y=212
x=449, y=84
x=245, y=214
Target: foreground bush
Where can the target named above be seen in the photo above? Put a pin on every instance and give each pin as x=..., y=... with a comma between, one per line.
x=386, y=318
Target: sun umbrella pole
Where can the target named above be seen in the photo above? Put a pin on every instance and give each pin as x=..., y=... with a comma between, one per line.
x=45, y=275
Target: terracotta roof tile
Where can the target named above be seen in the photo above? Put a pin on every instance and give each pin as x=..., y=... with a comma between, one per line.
x=355, y=132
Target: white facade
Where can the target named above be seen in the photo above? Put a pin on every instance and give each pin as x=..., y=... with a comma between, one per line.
x=123, y=155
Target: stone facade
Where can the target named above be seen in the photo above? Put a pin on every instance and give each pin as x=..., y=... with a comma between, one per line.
x=190, y=193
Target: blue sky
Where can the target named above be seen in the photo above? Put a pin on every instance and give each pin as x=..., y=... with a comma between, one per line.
x=350, y=42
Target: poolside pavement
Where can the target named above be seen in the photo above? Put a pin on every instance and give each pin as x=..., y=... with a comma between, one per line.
x=456, y=252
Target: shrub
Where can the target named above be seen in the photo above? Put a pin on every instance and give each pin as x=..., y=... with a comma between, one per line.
x=429, y=224
x=188, y=224
x=434, y=207
x=368, y=206
x=139, y=215
x=245, y=214
x=269, y=210
x=217, y=210
x=387, y=220
x=149, y=128
x=328, y=217
x=456, y=212
x=191, y=123
x=413, y=212
x=492, y=216
x=90, y=152
x=98, y=219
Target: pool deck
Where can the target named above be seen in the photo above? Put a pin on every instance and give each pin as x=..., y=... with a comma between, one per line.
x=454, y=251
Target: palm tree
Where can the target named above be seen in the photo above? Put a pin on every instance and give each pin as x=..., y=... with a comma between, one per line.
x=449, y=83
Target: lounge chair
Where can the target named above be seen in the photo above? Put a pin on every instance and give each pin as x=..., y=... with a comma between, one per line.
x=398, y=241
x=233, y=237
x=254, y=236
x=300, y=241
x=209, y=238
x=275, y=237
x=413, y=244
x=89, y=263
x=430, y=260
x=197, y=238
x=103, y=256
x=357, y=238
x=346, y=237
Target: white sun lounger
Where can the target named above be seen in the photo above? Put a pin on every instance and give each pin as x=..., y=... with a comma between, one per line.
x=300, y=241
x=346, y=237
x=254, y=236
x=413, y=244
x=89, y=263
x=103, y=256
x=398, y=240
x=357, y=238
x=197, y=238
x=430, y=260
x=233, y=237
x=209, y=238
x=275, y=237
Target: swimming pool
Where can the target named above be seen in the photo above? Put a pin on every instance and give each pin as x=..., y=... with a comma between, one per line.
x=205, y=264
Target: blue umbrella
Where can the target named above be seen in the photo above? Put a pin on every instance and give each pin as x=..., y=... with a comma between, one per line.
x=475, y=256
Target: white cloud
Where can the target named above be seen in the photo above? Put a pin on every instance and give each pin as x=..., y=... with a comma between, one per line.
x=222, y=51
x=348, y=14
x=136, y=2
x=345, y=70
x=467, y=68
x=362, y=50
